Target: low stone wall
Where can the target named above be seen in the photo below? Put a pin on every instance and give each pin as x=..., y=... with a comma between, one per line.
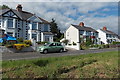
x=72, y=46
x=3, y=49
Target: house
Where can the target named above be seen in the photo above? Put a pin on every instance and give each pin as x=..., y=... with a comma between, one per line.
x=26, y=25
x=80, y=33
x=107, y=37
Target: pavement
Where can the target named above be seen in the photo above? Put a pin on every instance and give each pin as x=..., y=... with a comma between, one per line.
x=32, y=55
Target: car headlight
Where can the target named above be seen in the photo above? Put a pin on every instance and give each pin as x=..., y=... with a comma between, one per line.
x=41, y=48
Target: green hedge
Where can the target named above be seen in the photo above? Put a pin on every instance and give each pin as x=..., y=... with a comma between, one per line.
x=42, y=42
x=115, y=42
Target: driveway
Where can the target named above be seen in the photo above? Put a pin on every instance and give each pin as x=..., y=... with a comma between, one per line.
x=31, y=55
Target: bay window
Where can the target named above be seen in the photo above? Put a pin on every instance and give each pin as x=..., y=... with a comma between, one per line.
x=34, y=26
x=10, y=23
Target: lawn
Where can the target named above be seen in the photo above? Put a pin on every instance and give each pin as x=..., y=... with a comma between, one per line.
x=100, y=65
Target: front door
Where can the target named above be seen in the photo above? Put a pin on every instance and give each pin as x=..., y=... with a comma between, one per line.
x=47, y=38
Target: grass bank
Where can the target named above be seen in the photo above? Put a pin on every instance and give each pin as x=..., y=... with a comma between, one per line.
x=100, y=65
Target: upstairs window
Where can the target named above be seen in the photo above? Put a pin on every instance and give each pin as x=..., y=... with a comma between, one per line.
x=45, y=27
x=34, y=26
x=10, y=23
x=81, y=32
x=88, y=33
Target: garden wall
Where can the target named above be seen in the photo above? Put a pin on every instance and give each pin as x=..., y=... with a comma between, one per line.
x=3, y=49
x=77, y=47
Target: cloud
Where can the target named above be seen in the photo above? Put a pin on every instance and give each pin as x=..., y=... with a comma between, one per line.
x=106, y=9
x=61, y=1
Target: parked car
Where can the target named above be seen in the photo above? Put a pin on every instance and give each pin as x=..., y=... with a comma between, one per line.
x=51, y=47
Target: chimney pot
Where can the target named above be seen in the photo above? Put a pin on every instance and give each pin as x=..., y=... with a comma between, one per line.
x=81, y=24
x=104, y=28
x=19, y=7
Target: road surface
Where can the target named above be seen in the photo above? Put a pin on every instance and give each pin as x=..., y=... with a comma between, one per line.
x=31, y=55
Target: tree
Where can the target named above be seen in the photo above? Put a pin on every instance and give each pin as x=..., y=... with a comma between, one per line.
x=55, y=30
x=4, y=7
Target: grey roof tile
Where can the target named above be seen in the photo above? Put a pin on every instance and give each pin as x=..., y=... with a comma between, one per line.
x=84, y=28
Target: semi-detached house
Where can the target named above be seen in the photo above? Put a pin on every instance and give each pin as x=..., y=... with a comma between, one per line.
x=22, y=24
x=107, y=37
x=79, y=33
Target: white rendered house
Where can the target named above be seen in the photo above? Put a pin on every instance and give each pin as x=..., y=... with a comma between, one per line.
x=79, y=33
x=107, y=37
x=22, y=24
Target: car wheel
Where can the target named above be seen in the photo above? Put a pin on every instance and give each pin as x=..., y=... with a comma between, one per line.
x=61, y=50
x=45, y=51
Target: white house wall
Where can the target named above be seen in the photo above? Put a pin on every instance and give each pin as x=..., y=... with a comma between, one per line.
x=72, y=34
x=102, y=36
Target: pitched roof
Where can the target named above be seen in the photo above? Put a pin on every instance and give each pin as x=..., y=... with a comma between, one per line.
x=2, y=11
x=108, y=32
x=84, y=28
x=23, y=15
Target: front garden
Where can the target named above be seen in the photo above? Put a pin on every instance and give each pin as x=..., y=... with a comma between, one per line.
x=18, y=44
x=89, y=44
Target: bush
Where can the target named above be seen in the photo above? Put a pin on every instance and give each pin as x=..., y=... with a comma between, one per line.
x=20, y=46
x=69, y=44
x=9, y=46
x=104, y=46
x=74, y=43
x=115, y=42
x=28, y=42
x=42, y=42
x=65, y=41
x=20, y=40
x=94, y=45
x=1, y=44
x=10, y=42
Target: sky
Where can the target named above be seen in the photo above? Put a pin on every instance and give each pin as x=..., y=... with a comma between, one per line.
x=94, y=14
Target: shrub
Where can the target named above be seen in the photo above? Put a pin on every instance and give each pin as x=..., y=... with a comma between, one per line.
x=9, y=46
x=20, y=40
x=10, y=42
x=94, y=45
x=42, y=42
x=20, y=46
x=69, y=44
x=65, y=41
x=115, y=42
x=74, y=43
x=28, y=42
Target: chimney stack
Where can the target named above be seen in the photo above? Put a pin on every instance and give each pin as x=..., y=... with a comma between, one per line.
x=19, y=7
x=81, y=24
x=104, y=28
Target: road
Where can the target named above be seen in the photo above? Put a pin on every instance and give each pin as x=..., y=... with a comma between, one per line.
x=31, y=55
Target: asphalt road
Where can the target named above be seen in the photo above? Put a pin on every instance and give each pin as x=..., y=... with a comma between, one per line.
x=31, y=55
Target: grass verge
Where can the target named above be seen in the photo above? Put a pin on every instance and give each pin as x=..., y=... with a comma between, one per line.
x=100, y=65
